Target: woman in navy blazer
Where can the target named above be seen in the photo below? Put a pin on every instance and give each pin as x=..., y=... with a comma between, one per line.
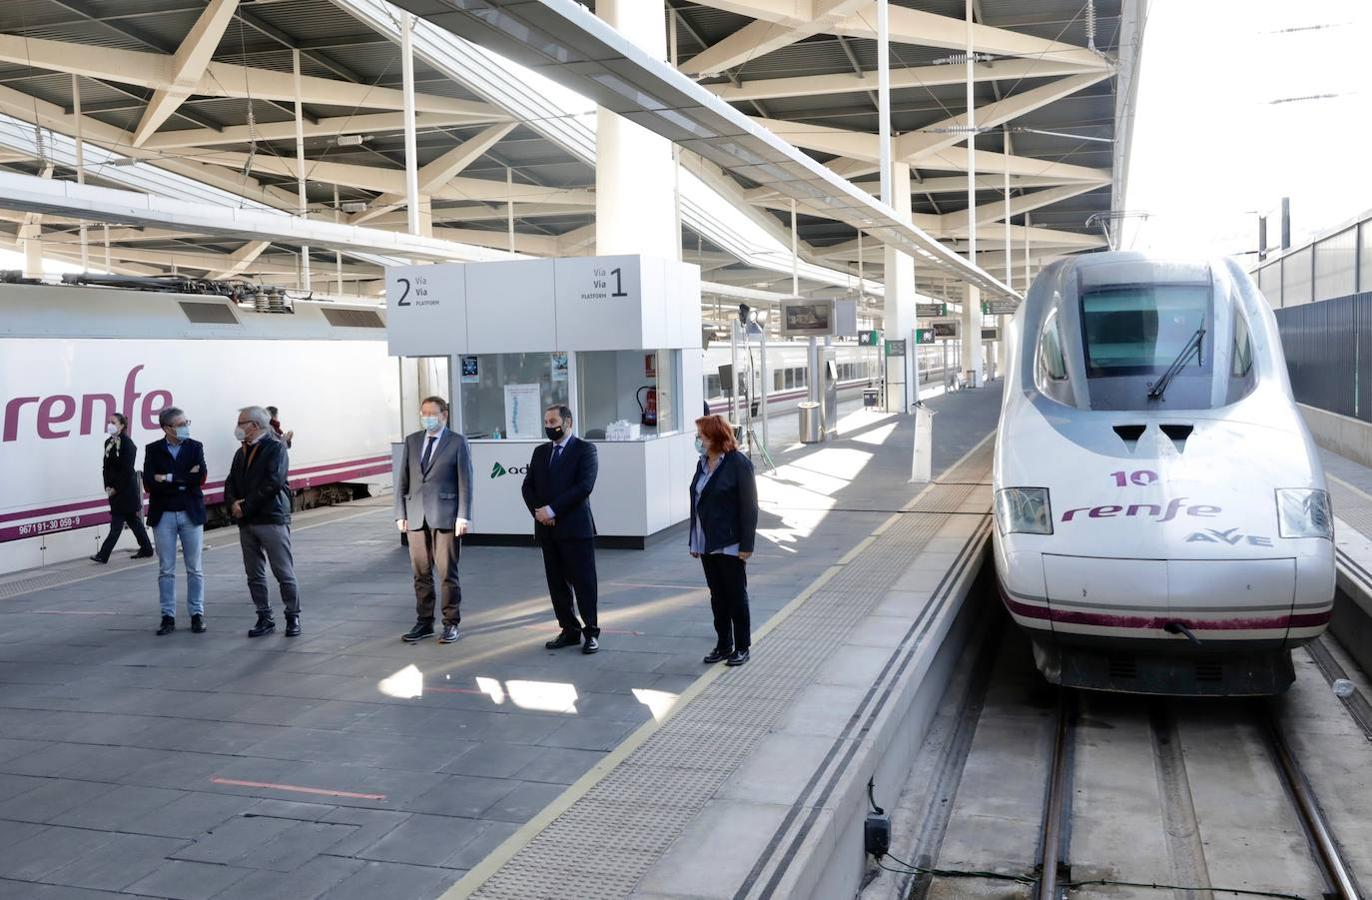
x=723, y=531
x=174, y=473
x=123, y=489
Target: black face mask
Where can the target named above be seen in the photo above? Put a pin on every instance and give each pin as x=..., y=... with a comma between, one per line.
x=554, y=434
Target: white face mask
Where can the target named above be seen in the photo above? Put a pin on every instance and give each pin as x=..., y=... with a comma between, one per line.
x=183, y=432
x=240, y=435
x=111, y=429
x=700, y=446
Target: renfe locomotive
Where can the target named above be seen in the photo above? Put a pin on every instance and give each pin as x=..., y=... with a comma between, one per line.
x=70, y=356
x=1162, y=519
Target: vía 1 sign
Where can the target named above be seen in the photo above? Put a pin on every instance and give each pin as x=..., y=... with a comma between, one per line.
x=605, y=284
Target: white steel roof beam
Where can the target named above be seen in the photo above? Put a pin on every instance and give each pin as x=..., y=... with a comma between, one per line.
x=911, y=77
x=155, y=70
x=762, y=36
x=372, y=123
x=187, y=67
x=434, y=176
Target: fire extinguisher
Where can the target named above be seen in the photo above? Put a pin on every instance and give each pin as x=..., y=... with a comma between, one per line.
x=647, y=407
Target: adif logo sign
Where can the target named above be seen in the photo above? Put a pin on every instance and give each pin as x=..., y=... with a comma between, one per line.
x=497, y=470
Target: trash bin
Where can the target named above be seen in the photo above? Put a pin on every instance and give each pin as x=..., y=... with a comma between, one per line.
x=809, y=423
x=869, y=397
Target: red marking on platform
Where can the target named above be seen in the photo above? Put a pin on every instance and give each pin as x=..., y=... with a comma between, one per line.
x=296, y=788
x=453, y=690
x=74, y=612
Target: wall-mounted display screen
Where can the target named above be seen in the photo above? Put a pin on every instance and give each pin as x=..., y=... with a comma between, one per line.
x=807, y=318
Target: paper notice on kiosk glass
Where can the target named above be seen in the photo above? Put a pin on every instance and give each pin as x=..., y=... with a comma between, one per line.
x=523, y=412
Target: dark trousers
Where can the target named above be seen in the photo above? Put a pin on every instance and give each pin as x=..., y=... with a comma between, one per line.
x=570, y=567
x=117, y=523
x=434, y=552
x=265, y=545
x=727, y=577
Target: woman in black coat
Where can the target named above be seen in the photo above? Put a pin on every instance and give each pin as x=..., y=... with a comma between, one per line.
x=123, y=489
x=723, y=531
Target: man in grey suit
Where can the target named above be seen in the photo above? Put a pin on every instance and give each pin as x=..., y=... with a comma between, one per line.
x=433, y=502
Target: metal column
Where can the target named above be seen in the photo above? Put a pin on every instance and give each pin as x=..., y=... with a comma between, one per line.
x=411, y=154
x=300, y=165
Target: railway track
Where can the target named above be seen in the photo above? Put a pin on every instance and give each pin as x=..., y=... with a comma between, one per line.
x=1117, y=796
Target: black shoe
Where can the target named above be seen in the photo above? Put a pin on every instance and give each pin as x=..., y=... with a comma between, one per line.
x=737, y=658
x=143, y=554
x=419, y=632
x=591, y=645
x=98, y=558
x=264, y=625
x=292, y=626
x=167, y=627
x=450, y=634
x=719, y=654
x=197, y=624
x=568, y=638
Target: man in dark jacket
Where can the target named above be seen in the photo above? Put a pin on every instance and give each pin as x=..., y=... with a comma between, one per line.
x=259, y=500
x=173, y=475
x=123, y=489
x=557, y=489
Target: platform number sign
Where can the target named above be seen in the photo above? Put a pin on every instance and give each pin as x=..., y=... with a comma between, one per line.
x=868, y=338
x=895, y=348
x=414, y=291
x=924, y=335
x=602, y=281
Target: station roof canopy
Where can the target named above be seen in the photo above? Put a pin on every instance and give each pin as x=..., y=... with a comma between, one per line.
x=196, y=99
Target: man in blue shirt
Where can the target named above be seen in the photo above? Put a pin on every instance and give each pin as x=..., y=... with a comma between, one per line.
x=173, y=474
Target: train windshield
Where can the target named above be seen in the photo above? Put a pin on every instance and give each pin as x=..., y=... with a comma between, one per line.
x=1141, y=329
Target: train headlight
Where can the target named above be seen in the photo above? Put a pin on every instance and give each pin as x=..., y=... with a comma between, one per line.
x=1025, y=510
x=1304, y=513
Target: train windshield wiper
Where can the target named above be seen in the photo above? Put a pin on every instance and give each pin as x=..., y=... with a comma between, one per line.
x=1193, y=345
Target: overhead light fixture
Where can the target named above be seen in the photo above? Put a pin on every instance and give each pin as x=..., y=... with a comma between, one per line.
x=350, y=140
x=353, y=206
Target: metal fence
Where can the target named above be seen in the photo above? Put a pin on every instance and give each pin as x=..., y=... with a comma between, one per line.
x=1328, y=348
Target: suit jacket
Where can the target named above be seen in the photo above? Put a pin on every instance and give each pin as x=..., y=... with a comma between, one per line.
x=566, y=487
x=728, y=504
x=261, y=485
x=185, y=485
x=441, y=495
x=121, y=454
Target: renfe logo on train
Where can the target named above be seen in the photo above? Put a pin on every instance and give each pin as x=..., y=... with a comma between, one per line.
x=1146, y=510
x=52, y=413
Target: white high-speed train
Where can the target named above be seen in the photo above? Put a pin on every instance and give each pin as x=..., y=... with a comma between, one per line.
x=71, y=355
x=1163, y=524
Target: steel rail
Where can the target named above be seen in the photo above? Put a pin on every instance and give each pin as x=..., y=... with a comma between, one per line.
x=1058, y=785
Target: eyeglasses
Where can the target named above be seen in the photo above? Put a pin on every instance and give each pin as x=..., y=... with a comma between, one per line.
x=178, y=425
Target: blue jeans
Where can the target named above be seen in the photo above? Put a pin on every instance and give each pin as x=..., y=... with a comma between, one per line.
x=169, y=528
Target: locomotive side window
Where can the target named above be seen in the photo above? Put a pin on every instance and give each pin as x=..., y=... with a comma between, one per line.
x=1051, y=364
x=1140, y=329
x=1242, y=359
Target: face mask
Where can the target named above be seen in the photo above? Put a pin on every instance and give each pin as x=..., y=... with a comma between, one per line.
x=554, y=434
x=240, y=435
x=700, y=446
x=111, y=429
x=430, y=423
x=183, y=432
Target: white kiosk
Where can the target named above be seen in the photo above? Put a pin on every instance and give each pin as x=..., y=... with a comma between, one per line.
x=616, y=338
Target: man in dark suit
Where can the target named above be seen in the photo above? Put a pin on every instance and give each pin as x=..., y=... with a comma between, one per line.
x=123, y=489
x=173, y=474
x=557, y=489
x=258, y=497
x=433, y=502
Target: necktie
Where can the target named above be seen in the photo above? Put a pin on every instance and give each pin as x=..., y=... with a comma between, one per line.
x=428, y=451
x=557, y=453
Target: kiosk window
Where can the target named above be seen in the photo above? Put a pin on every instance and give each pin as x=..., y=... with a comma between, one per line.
x=637, y=386
x=504, y=394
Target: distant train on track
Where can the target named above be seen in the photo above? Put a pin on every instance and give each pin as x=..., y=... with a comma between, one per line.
x=1163, y=524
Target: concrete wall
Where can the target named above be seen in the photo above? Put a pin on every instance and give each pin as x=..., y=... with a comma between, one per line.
x=1348, y=437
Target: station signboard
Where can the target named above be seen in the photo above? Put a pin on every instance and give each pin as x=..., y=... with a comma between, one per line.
x=869, y=338
x=924, y=336
x=931, y=310
x=998, y=307
x=946, y=330
x=990, y=334
x=895, y=348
